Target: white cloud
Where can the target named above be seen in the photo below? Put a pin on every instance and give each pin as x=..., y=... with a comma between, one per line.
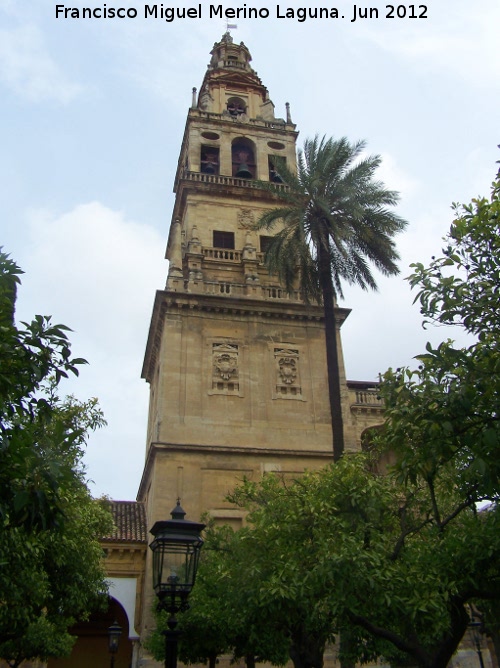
x=28, y=69
x=97, y=272
x=462, y=40
x=394, y=178
x=162, y=72
x=94, y=252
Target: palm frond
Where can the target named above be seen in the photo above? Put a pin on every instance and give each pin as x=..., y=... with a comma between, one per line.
x=334, y=201
x=333, y=223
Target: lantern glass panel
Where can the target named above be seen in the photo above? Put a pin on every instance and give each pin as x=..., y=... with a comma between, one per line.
x=114, y=633
x=174, y=566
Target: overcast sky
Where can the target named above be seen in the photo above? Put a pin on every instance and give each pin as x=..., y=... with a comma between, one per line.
x=92, y=116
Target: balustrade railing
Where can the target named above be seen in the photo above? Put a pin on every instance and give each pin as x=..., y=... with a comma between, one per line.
x=221, y=180
x=270, y=292
x=236, y=64
x=224, y=288
x=226, y=254
x=366, y=398
x=276, y=124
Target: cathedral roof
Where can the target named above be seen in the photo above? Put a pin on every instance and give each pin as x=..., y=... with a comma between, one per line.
x=130, y=522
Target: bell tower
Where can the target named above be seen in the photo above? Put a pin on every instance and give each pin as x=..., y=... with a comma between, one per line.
x=236, y=365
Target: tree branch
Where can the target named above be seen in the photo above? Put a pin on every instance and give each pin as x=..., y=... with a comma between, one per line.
x=412, y=648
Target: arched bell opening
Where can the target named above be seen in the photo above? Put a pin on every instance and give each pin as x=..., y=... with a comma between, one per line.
x=209, y=160
x=243, y=159
x=273, y=164
x=236, y=106
x=92, y=641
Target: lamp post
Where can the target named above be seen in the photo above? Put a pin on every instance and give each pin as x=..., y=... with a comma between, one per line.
x=476, y=627
x=114, y=633
x=176, y=553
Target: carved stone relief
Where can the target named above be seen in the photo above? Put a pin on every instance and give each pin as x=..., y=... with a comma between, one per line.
x=287, y=373
x=288, y=370
x=225, y=368
x=246, y=219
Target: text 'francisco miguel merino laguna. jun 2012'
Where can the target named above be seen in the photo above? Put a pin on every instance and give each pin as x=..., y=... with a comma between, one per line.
x=300, y=14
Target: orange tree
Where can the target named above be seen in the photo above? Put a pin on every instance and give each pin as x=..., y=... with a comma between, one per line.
x=50, y=560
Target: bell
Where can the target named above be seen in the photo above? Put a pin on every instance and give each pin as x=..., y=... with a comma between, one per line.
x=243, y=171
x=208, y=168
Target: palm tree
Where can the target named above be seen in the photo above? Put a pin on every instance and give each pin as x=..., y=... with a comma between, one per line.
x=333, y=221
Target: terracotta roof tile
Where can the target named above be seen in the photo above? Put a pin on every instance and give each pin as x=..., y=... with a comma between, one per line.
x=130, y=522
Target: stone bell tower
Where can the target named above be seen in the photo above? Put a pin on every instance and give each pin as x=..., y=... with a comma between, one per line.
x=236, y=366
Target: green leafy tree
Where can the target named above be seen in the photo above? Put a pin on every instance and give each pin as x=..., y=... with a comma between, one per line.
x=395, y=565
x=50, y=560
x=34, y=358
x=224, y=616
x=448, y=409
x=443, y=424
x=49, y=579
x=280, y=564
x=255, y=636
x=334, y=221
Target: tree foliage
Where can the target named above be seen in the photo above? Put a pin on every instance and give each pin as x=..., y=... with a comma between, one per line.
x=345, y=550
x=34, y=358
x=50, y=559
x=224, y=616
x=447, y=411
x=49, y=579
x=334, y=221
x=443, y=425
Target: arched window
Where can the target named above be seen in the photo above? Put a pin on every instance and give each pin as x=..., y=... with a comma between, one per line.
x=274, y=175
x=209, y=160
x=243, y=159
x=236, y=106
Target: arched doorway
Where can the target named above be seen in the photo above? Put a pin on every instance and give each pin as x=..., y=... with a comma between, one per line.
x=91, y=646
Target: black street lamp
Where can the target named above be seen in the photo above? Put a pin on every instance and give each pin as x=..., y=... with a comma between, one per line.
x=476, y=627
x=114, y=633
x=176, y=553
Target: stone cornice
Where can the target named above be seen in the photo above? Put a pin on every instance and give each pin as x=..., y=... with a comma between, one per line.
x=185, y=448
x=234, y=306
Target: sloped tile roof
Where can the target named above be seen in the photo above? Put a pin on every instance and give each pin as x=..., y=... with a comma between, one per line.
x=130, y=522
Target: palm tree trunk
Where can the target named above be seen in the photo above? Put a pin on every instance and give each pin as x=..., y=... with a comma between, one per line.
x=332, y=352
